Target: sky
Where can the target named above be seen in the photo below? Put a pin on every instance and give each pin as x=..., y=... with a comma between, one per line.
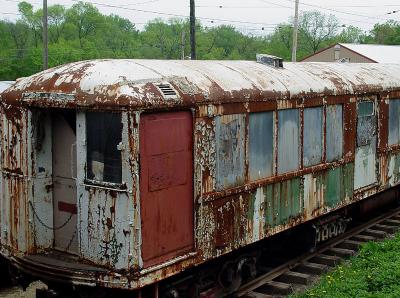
x=257, y=17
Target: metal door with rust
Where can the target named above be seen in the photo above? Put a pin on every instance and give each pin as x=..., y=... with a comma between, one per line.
x=365, y=160
x=64, y=173
x=166, y=186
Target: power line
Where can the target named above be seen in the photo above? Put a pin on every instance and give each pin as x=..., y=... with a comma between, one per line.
x=331, y=9
x=175, y=15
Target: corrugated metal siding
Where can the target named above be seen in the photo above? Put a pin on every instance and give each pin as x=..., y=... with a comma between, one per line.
x=230, y=136
x=261, y=145
x=288, y=140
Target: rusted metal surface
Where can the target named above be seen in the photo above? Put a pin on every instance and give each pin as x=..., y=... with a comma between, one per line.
x=334, y=132
x=166, y=186
x=260, y=165
x=365, y=159
x=230, y=146
x=107, y=83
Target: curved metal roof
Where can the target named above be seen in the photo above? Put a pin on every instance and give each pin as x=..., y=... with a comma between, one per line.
x=134, y=83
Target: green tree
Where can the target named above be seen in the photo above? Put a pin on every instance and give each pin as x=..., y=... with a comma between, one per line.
x=316, y=30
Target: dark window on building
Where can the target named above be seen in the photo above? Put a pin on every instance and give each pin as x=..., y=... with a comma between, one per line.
x=103, y=135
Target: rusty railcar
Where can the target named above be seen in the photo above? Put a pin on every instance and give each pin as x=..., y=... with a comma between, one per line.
x=121, y=173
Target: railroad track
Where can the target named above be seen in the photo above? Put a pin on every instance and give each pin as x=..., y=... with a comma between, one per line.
x=298, y=274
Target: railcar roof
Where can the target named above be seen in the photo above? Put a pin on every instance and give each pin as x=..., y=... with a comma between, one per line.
x=136, y=83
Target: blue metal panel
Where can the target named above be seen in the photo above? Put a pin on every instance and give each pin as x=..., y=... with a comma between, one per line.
x=334, y=132
x=261, y=145
x=288, y=140
x=230, y=137
x=394, y=123
x=312, y=137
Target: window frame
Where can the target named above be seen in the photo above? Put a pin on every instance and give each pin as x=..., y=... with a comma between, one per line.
x=326, y=161
x=299, y=141
x=273, y=143
x=118, y=186
x=397, y=143
x=323, y=138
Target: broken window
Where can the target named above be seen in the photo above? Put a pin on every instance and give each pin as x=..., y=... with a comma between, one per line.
x=312, y=136
x=261, y=145
x=334, y=132
x=288, y=140
x=394, y=123
x=366, y=123
x=104, y=134
x=230, y=131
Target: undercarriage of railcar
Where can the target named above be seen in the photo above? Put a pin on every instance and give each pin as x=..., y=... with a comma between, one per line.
x=218, y=278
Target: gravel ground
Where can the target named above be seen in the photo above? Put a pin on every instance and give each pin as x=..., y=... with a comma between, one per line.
x=16, y=292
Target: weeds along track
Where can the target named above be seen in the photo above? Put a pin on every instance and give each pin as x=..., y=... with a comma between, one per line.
x=300, y=273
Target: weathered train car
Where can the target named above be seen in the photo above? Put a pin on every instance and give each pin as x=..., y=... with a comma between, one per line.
x=121, y=173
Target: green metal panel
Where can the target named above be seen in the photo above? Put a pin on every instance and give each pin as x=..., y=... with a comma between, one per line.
x=339, y=184
x=270, y=205
x=334, y=187
x=396, y=173
x=284, y=201
x=348, y=179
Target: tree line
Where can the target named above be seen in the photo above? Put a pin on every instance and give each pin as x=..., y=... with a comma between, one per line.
x=81, y=32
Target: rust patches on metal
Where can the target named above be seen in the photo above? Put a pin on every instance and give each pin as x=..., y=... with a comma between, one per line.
x=350, y=132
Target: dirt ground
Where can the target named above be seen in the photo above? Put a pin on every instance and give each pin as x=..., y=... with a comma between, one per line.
x=16, y=292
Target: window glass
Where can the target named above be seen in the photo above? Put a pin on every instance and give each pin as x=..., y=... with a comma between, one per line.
x=104, y=134
x=288, y=140
x=261, y=145
x=334, y=132
x=365, y=108
x=366, y=123
x=230, y=130
x=312, y=136
x=394, y=123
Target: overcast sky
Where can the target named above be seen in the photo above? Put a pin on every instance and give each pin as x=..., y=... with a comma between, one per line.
x=248, y=16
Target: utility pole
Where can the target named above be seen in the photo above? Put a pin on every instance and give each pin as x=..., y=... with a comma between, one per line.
x=192, y=30
x=183, y=44
x=295, y=30
x=45, y=38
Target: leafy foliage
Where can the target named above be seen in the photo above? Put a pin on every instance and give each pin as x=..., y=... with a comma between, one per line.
x=375, y=272
x=81, y=32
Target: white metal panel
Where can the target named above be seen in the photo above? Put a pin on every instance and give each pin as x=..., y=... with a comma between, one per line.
x=365, y=166
x=104, y=214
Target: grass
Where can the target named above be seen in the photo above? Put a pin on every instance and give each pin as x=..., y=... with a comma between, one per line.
x=374, y=272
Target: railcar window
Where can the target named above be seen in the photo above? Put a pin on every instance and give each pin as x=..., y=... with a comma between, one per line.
x=366, y=123
x=365, y=108
x=261, y=145
x=312, y=136
x=230, y=132
x=334, y=132
x=394, y=122
x=103, y=134
x=288, y=140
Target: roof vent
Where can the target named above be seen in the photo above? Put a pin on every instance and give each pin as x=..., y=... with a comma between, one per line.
x=270, y=60
x=167, y=90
